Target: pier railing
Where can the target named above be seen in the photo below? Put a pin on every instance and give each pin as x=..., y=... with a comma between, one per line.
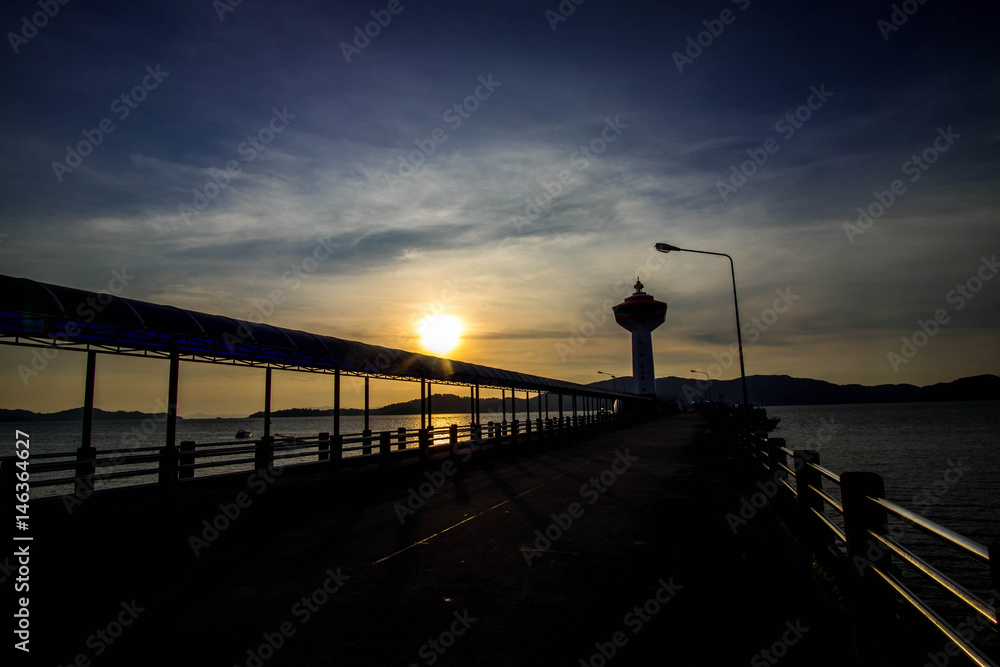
x=88, y=469
x=847, y=517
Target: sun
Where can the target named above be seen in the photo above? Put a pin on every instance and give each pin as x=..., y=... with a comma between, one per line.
x=440, y=334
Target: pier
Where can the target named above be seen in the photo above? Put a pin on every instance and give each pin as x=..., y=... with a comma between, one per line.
x=602, y=529
x=608, y=542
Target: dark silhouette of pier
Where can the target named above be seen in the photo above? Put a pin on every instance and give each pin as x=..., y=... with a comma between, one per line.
x=637, y=560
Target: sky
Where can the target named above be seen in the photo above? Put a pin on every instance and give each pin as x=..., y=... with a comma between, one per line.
x=350, y=168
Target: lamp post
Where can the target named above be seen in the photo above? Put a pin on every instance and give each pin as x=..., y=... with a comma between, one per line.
x=707, y=379
x=665, y=248
x=614, y=380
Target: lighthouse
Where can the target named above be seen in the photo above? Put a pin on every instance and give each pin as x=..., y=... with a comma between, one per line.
x=640, y=314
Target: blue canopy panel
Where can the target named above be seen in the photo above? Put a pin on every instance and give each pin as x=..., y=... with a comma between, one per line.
x=34, y=313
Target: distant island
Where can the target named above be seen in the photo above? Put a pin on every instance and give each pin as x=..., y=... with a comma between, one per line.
x=787, y=390
x=771, y=390
x=440, y=404
x=76, y=414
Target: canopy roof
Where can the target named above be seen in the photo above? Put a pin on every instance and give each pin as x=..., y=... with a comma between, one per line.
x=34, y=313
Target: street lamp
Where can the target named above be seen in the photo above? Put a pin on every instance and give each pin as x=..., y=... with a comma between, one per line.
x=707, y=379
x=665, y=248
x=614, y=380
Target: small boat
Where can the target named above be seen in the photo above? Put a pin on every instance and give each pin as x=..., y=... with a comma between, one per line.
x=243, y=433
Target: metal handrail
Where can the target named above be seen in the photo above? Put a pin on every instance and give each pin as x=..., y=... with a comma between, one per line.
x=936, y=575
x=829, y=474
x=831, y=525
x=971, y=651
x=964, y=544
x=214, y=464
x=828, y=498
x=53, y=482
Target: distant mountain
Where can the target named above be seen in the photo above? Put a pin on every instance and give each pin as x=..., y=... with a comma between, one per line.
x=440, y=404
x=76, y=414
x=202, y=415
x=786, y=390
x=762, y=389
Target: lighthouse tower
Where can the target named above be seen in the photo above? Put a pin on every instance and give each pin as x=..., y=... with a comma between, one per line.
x=640, y=314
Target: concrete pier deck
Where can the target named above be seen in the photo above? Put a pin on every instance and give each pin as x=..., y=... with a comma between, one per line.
x=638, y=566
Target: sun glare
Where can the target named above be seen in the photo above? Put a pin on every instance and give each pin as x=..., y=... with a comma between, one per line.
x=440, y=334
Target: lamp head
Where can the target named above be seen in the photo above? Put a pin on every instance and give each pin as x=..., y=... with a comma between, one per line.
x=666, y=247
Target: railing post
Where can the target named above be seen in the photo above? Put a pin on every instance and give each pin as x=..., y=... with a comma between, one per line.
x=491, y=430
x=775, y=457
x=86, y=467
x=168, y=470
x=862, y=515
x=385, y=446
x=807, y=476
x=324, y=446
x=366, y=445
x=263, y=453
x=336, y=456
x=401, y=437
x=423, y=436
x=774, y=453
x=453, y=436
x=514, y=428
x=186, y=460
x=527, y=430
